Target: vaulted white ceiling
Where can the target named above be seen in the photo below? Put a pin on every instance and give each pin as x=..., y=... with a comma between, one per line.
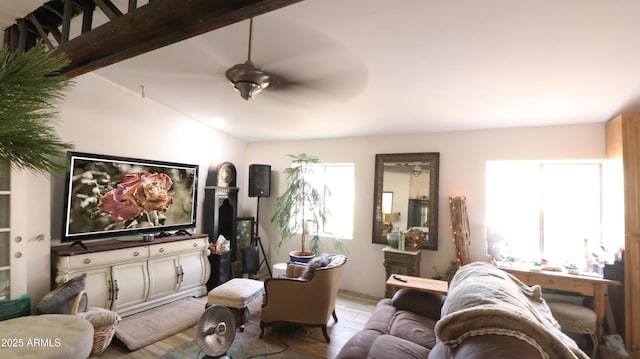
x=367, y=67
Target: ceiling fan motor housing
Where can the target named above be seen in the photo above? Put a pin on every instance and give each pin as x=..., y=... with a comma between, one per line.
x=248, y=79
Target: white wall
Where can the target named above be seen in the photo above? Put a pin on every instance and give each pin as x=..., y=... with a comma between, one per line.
x=98, y=116
x=101, y=117
x=462, y=172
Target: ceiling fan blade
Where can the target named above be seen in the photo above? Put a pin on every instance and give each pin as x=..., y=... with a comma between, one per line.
x=337, y=85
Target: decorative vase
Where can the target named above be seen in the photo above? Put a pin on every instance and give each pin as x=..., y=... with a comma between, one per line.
x=393, y=239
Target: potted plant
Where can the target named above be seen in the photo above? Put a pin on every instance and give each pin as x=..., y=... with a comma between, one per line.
x=30, y=88
x=300, y=209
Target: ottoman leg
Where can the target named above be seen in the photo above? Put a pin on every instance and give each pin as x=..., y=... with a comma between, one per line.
x=241, y=316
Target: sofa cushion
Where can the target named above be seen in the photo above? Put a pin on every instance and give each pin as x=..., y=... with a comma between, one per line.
x=381, y=317
x=359, y=345
x=388, y=346
x=424, y=303
x=414, y=328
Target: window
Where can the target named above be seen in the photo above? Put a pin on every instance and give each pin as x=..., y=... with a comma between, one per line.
x=338, y=180
x=545, y=210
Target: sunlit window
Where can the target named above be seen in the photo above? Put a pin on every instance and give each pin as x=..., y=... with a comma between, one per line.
x=336, y=182
x=550, y=210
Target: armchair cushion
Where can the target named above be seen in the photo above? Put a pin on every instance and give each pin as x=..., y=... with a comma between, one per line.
x=61, y=299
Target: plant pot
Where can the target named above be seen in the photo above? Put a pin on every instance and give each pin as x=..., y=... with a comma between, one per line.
x=300, y=257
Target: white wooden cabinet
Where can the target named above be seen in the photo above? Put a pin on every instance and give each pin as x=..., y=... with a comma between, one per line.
x=131, y=277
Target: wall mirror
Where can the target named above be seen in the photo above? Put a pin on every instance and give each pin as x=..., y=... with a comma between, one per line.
x=406, y=196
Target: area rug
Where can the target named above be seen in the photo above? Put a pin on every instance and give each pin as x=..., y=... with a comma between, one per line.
x=246, y=345
x=150, y=326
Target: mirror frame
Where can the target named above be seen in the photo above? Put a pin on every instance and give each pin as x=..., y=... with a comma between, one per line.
x=433, y=158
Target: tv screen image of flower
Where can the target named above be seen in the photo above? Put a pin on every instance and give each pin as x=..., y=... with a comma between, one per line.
x=114, y=196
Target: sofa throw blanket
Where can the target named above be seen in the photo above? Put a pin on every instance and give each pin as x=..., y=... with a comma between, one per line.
x=484, y=300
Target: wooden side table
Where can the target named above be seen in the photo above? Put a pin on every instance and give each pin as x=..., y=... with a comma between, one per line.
x=421, y=284
x=400, y=262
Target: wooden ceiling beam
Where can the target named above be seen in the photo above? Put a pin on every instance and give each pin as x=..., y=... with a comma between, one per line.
x=40, y=30
x=154, y=25
x=108, y=9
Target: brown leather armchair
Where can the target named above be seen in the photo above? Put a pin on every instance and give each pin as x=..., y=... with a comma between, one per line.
x=304, y=302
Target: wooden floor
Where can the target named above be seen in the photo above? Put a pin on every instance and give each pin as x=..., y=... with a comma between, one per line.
x=352, y=310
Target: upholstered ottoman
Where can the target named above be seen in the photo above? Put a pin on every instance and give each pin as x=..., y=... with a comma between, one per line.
x=46, y=336
x=236, y=294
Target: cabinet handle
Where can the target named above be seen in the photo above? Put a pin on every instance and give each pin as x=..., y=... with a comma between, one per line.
x=161, y=250
x=115, y=282
x=136, y=253
x=110, y=290
x=181, y=274
x=177, y=274
x=195, y=244
x=86, y=261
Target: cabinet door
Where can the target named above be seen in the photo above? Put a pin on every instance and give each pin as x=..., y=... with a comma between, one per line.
x=98, y=286
x=163, y=276
x=130, y=284
x=193, y=269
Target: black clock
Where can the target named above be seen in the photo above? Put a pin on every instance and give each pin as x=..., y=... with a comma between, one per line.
x=226, y=175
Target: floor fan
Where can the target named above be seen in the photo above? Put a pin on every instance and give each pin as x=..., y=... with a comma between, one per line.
x=216, y=331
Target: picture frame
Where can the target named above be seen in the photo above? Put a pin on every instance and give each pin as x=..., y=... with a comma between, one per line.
x=244, y=232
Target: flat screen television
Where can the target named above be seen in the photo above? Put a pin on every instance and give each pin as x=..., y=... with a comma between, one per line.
x=110, y=196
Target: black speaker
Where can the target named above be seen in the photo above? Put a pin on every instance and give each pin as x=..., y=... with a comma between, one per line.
x=259, y=180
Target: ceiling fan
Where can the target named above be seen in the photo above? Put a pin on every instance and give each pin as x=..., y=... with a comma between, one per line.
x=337, y=73
x=248, y=78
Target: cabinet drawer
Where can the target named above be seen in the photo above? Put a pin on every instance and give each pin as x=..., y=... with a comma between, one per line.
x=184, y=245
x=108, y=257
x=400, y=258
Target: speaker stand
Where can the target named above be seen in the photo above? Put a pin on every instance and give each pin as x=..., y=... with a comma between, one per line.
x=256, y=240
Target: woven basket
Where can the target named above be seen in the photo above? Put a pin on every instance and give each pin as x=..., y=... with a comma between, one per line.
x=101, y=335
x=102, y=338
